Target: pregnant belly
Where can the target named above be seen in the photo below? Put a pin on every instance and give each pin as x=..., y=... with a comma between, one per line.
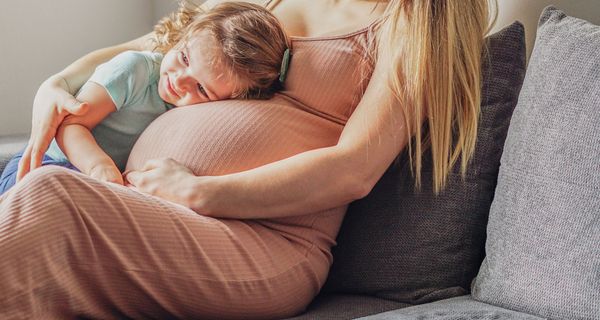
x=230, y=136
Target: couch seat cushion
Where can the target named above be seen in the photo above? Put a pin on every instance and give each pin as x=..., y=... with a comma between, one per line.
x=345, y=306
x=464, y=307
x=9, y=145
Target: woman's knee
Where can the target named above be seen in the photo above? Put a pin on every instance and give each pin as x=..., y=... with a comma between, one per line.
x=46, y=178
x=43, y=192
x=40, y=205
x=49, y=172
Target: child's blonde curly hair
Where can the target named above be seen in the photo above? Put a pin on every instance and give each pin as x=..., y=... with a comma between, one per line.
x=251, y=42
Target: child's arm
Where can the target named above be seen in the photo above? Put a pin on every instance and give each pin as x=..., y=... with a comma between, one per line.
x=75, y=139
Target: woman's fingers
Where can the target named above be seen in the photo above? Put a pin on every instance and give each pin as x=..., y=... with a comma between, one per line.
x=157, y=163
x=44, y=131
x=40, y=143
x=154, y=169
x=133, y=177
x=33, y=155
x=169, y=180
x=142, y=181
x=37, y=153
x=136, y=177
x=52, y=103
x=24, y=163
x=74, y=106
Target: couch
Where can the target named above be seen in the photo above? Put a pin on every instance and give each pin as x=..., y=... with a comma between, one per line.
x=494, y=244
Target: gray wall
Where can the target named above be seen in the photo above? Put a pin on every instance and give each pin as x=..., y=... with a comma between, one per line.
x=41, y=37
x=528, y=11
x=163, y=7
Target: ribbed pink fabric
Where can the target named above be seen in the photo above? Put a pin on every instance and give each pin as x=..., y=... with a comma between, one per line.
x=71, y=246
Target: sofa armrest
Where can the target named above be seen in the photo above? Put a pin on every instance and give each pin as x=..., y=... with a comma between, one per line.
x=9, y=145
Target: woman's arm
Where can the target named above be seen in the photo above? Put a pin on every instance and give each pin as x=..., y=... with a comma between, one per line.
x=308, y=182
x=54, y=100
x=77, y=73
x=75, y=138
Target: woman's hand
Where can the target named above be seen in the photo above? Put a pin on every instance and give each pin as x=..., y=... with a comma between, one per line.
x=107, y=173
x=51, y=105
x=166, y=179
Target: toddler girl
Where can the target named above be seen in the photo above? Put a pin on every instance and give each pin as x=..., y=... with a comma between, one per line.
x=235, y=50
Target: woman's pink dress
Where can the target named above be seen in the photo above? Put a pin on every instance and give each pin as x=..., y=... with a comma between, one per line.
x=74, y=247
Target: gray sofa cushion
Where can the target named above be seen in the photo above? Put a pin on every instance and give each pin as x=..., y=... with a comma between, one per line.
x=543, y=248
x=414, y=247
x=9, y=145
x=458, y=308
x=346, y=306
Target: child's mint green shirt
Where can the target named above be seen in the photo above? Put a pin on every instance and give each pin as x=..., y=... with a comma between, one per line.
x=131, y=80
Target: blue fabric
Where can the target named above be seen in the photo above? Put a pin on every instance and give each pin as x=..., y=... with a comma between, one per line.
x=131, y=81
x=9, y=175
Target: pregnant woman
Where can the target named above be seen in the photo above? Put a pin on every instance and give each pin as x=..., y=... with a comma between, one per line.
x=233, y=206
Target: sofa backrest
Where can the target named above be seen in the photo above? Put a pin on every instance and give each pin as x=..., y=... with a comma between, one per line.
x=543, y=248
x=415, y=247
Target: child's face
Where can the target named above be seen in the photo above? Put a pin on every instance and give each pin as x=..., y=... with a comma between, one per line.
x=187, y=75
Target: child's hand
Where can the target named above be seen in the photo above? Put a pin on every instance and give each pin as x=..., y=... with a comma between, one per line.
x=106, y=173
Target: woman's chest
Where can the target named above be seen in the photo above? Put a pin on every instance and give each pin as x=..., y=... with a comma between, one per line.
x=301, y=18
x=328, y=76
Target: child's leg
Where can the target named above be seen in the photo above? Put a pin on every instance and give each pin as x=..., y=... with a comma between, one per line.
x=9, y=175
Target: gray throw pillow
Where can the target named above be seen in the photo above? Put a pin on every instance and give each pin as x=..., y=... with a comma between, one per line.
x=543, y=246
x=415, y=247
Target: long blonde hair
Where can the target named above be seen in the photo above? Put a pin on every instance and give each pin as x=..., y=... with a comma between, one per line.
x=434, y=49
x=251, y=42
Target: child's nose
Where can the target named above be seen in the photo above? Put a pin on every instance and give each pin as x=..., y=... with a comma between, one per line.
x=183, y=82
